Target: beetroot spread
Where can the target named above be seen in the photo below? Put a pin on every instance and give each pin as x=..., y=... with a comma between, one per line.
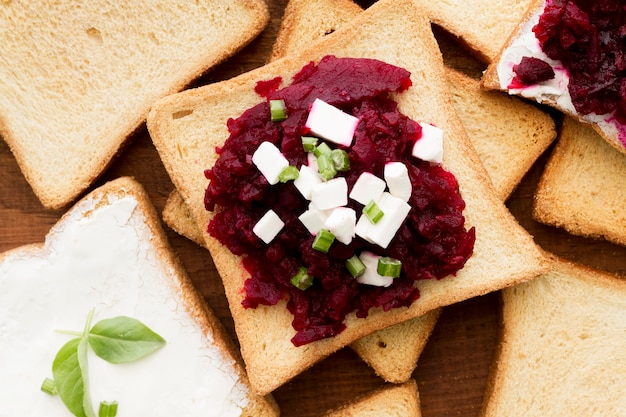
x=589, y=39
x=431, y=243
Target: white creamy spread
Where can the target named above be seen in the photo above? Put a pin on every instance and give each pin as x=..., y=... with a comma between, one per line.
x=104, y=262
x=554, y=90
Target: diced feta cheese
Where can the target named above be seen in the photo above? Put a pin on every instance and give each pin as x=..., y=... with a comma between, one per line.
x=312, y=161
x=313, y=219
x=307, y=179
x=330, y=123
x=397, y=177
x=341, y=223
x=430, y=146
x=371, y=276
x=363, y=227
x=268, y=226
x=395, y=211
x=270, y=161
x=330, y=194
x=367, y=187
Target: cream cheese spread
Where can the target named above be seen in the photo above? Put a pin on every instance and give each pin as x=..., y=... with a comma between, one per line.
x=103, y=261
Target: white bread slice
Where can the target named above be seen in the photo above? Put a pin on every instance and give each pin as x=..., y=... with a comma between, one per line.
x=498, y=76
x=498, y=127
x=186, y=127
x=562, y=348
x=483, y=25
x=391, y=400
x=77, y=79
x=109, y=253
x=582, y=186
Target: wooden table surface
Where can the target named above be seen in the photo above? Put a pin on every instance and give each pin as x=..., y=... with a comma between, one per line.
x=453, y=369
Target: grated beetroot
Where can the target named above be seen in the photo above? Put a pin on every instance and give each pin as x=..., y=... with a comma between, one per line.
x=589, y=38
x=432, y=243
x=531, y=71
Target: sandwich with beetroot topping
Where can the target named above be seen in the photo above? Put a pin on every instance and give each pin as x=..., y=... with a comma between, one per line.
x=340, y=192
x=571, y=55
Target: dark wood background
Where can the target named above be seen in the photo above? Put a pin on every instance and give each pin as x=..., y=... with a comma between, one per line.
x=453, y=369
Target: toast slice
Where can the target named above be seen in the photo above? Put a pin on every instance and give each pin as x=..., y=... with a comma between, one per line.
x=109, y=253
x=391, y=400
x=582, y=187
x=482, y=25
x=562, y=349
x=79, y=79
x=498, y=126
x=553, y=92
x=186, y=128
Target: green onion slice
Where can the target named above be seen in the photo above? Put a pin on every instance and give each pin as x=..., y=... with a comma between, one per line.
x=355, y=266
x=322, y=149
x=49, y=387
x=373, y=212
x=389, y=267
x=309, y=143
x=340, y=160
x=323, y=240
x=302, y=280
x=289, y=173
x=107, y=409
x=278, y=110
x=326, y=167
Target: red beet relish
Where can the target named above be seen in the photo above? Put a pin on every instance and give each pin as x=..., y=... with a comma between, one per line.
x=432, y=242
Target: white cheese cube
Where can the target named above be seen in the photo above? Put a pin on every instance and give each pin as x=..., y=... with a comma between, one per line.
x=270, y=161
x=312, y=161
x=268, y=226
x=307, y=179
x=362, y=227
x=395, y=211
x=313, y=219
x=430, y=146
x=341, y=223
x=330, y=123
x=367, y=187
x=330, y=194
x=371, y=276
x=397, y=177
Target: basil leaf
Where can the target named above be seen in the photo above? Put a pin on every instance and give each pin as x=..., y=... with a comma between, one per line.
x=123, y=339
x=68, y=377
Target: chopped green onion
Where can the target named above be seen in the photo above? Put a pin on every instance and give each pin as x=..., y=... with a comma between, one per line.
x=341, y=160
x=289, y=173
x=49, y=387
x=107, y=409
x=373, y=212
x=323, y=240
x=355, y=266
x=326, y=167
x=309, y=143
x=278, y=110
x=389, y=267
x=322, y=149
x=302, y=280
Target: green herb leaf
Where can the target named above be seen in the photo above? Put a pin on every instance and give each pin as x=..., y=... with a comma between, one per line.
x=123, y=339
x=68, y=377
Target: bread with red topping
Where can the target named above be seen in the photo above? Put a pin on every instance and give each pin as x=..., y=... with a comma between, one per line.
x=186, y=128
x=582, y=186
x=77, y=79
x=498, y=126
x=562, y=350
x=555, y=91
